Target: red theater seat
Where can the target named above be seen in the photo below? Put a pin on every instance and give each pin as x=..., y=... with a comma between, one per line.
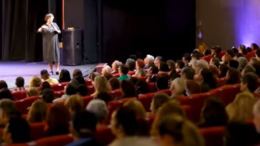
x=152, y=87
x=131, y=73
x=166, y=91
x=91, y=90
x=116, y=93
x=86, y=100
x=58, y=94
x=18, y=95
x=221, y=81
x=59, y=87
x=37, y=130
x=213, y=135
x=146, y=100
x=104, y=135
x=23, y=104
x=207, y=58
x=88, y=83
x=59, y=140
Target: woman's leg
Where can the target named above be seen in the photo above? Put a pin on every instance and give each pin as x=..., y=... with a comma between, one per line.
x=50, y=66
x=57, y=66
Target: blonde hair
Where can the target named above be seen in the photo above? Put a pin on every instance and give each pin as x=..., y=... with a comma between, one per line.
x=47, y=16
x=74, y=103
x=33, y=91
x=202, y=48
x=35, y=82
x=178, y=85
x=137, y=106
x=241, y=108
x=101, y=85
x=37, y=112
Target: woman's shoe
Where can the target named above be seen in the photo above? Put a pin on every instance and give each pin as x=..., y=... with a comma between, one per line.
x=57, y=73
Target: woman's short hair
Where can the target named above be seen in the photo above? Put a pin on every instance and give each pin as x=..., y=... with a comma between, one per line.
x=33, y=91
x=74, y=103
x=35, y=82
x=158, y=100
x=99, y=108
x=47, y=16
x=140, y=63
x=77, y=72
x=136, y=106
x=178, y=85
x=114, y=83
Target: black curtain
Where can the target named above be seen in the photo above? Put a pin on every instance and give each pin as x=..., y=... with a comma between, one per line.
x=21, y=19
x=1, y=21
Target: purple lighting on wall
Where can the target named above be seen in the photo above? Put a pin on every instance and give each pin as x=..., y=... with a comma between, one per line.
x=248, y=23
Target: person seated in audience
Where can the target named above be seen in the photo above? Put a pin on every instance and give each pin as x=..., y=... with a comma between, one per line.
x=125, y=123
x=223, y=69
x=253, y=60
x=257, y=68
x=213, y=113
x=82, y=90
x=57, y=120
x=257, y=54
x=37, y=112
x=249, y=83
x=202, y=48
x=70, y=89
x=115, y=65
x=135, y=141
x=254, y=46
x=242, y=63
x=162, y=83
x=256, y=114
x=216, y=51
x=128, y=89
x=114, y=83
x=177, y=88
x=8, y=110
x=35, y=82
x=241, y=108
x=136, y=106
x=177, y=131
x=233, y=76
x=99, y=109
x=123, y=72
x=148, y=61
x=6, y=94
x=231, y=53
x=3, y=84
x=237, y=55
x=187, y=73
x=163, y=67
x=105, y=96
x=214, y=70
x=130, y=63
x=195, y=56
x=80, y=80
x=233, y=64
x=17, y=131
x=151, y=74
x=158, y=100
x=214, y=61
x=173, y=73
x=19, y=82
x=242, y=49
x=74, y=104
x=134, y=80
x=48, y=95
x=207, y=52
x=207, y=80
x=45, y=76
x=76, y=73
x=240, y=134
x=142, y=87
x=139, y=64
x=199, y=65
x=83, y=128
x=33, y=92
x=234, y=49
x=100, y=85
x=186, y=59
x=157, y=61
x=44, y=85
x=107, y=72
x=249, y=49
x=247, y=69
x=64, y=76
x=192, y=87
x=179, y=65
x=226, y=58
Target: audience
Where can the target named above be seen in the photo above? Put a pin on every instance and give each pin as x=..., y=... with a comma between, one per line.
x=148, y=61
x=187, y=73
x=8, y=110
x=101, y=85
x=123, y=72
x=249, y=83
x=192, y=87
x=242, y=63
x=139, y=64
x=6, y=94
x=130, y=63
x=114, y=83
x=223, y=69
x=162, y=83
x=82, y=90
x=76, y=73
x=105, y=96
x=70, y=89
x=186, y=59
x=158, y=100
x=45, y=76
x=64, y=76
x=233, y=64
x=33, y=92
x=3, y=84
x=48, y=95
x=128, y=89
x=173, y=73
x=207, y=80
x=137, y=107
x=115, y=65
x=99, y=109
x=44, y=85
x=74, y=104
x=107, y=72
x=19, y=82
x=177, y=88
x=233, y=76
x=214, y=61
x=37, y=112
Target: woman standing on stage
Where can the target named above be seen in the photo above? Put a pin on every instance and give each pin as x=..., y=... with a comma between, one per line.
x=50, y=42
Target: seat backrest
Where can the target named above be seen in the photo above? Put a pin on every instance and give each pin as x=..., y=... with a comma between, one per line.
x=59, y=87
x=146, y=100
x=207, y=58
x=104, y=135
x=88, y=82
x=116, y=93
x=91, y=89
x=166, y=91
x=37, y=130
x=213, y=135
x=23, y=104
x=59, y=140
x=18, y=95
x=152, y=87
x=86, y=100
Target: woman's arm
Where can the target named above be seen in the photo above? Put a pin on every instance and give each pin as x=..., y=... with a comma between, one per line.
x=41, y=28
x=56, y=28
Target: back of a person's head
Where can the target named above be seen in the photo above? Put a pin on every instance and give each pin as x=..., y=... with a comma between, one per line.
x=247, y=69
x=74, y=103
x=114, y=83
x=163, y=67
x=231, y=53
x=256, y=65
x=140, y=63
x=135, y=141
x=223, y=69
x=254, y=46
x=64, y=76
x=192, y=87
x=105, y=96
x=71, y=88
x=162, y=83
x=215, y=61
x=9, y=109
x=98, y=108
x=178, y=86
x=84, y=124
x=136, y=106
x=77, y=72
x=170, y=108
x=187, y=57
x=44, y=85
x=180, y=130
x=180, y=63
x=240, y=134
x=251, y=81
x=80, y=80
x=19, y=130
x=153, y=69
x=48, y=95
x=37, y=112
x=124, y=69
x=188, y=73
x=242, y=63
x=82, y=90
x=158, y=100
x=19, y=82
x=130, y=63
x=196, y=55
x=214, y=113
x=142, y=87
x=35, y=81
x=233, y=76
x=93, y=75
x=6, y=94
x=101, y=84
x=128, y=88
x=171, y=65
x=33, y=91
x=257, y=52
x=208, y=78
x=234, y=64
x=3, y=84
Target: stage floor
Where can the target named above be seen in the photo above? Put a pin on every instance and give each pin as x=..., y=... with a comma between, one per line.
x=10, y=70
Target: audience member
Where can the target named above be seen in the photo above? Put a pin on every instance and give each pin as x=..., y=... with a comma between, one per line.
x=100, y=85
x=214, y=70
x=233, y=76
x=223, y=69
x=226, y=58
x=35, y=82
x=186, y=59
x=82, y=90
x=233, y=63
x=135, y=141
x=114, y=83
x=187, y=73
x=99, y=109
x=8, y=110
x=179, y=65
x=139, y=64
x=151, y=77
x=158, y=100
x=163, y=67
x=19, y=82
x=76, y=73
x=142, y=87
x=242, y=63
x=192, y=87
x=64, y=76
x=6, y=94
x=208, y=81
x=130, y=63
x=115, y=65
x=148, y=61
x=254, y=46
x=173, y=73
x=70, y=89
x=177, y=88
x=3, y=84
x=46, y=77
x=33, y=92
x=214, y=61
x=74, y=104
x=37, y=112
x=157, y=61
x=105, y=96
x=257, y=68
x=213, y=113
x=92, y=76
x=107, y=72
x=249, y=83
x=128, y=89
x=48, y=95
x=162, y=83
x=80, y=80
x=231, y=53
x=247, y=69
x=44, y=85
x=123, y=72
x=136, y=106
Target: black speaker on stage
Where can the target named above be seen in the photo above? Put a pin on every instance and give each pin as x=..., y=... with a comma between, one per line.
x=72, y=47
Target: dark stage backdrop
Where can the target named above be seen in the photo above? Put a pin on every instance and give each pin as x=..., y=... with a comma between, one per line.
x=21, y=19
